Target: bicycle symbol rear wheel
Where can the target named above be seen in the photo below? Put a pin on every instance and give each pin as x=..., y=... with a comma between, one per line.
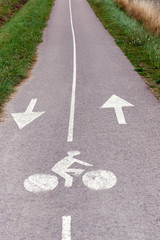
x=40, y=183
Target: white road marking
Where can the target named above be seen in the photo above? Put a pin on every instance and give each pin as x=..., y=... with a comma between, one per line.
x=66, y=228
x=23, y=119
x=62, y=167
x=96, y=180
x=99, y=180
x=117, y=103
x=40, y=183
x=72, y=107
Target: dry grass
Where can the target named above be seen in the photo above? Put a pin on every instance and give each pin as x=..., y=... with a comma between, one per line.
x=144, y=11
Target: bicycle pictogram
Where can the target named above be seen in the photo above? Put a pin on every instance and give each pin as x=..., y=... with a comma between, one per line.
x=96, y=179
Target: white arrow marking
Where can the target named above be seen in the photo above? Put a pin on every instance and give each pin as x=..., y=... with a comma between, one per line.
x=117, y=103
x=22, y=119
x=66, y=228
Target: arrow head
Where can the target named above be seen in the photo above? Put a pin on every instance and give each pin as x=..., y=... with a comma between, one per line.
x=116, y=101
x=23, y=119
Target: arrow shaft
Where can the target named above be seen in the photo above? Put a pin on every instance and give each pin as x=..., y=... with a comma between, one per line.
x=31, y=106
x=120, y=115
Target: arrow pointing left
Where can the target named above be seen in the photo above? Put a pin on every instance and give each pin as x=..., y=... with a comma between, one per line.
x=23, y=119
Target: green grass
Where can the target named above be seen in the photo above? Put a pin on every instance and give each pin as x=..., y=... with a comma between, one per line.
x=19, y=38
x=138, y=44
x=8, y=8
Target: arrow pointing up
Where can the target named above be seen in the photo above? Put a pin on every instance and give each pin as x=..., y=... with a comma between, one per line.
x=117, y=103
x=22, y=119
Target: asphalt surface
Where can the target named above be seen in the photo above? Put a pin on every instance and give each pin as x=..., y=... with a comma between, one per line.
x=130, y=210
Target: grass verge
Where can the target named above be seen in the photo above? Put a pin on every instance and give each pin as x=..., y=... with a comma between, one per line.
x=19, y=38
x=8, y=8
x=139, y=45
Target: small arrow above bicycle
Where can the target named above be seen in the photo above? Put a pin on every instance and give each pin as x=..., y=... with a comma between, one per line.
x=117, y=103
x=24, y=118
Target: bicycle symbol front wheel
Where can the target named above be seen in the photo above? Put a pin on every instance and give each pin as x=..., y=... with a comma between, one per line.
x=99, y=180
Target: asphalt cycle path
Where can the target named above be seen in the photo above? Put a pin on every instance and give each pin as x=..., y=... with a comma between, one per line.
x=79, y=148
